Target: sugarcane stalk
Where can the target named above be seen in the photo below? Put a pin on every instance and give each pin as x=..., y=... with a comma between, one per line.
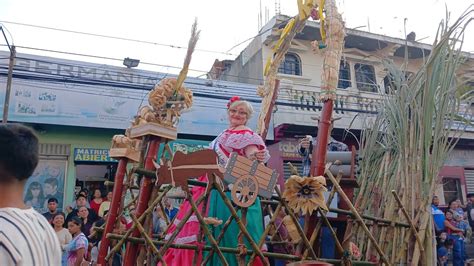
x=358, y=217
x=412, y=226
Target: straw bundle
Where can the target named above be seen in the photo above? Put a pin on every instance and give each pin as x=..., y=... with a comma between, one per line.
x=405, y=148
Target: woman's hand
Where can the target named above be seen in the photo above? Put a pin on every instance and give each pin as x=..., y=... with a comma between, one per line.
x=260, y=155
x=253, y=153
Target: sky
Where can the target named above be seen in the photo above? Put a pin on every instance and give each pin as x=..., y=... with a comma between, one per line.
x=165, y=23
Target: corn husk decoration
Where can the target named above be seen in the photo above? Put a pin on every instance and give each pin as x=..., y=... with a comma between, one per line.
x=169, y=98
x=294, y=26
x=333, y=44
x=292, y=230
x=305, y=194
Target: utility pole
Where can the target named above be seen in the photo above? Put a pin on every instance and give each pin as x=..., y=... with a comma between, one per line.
x=9, y=83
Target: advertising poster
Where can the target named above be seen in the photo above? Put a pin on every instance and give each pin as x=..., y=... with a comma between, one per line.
x=46, y=182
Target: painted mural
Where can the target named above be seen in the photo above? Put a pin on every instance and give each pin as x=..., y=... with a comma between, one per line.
x=46, y=182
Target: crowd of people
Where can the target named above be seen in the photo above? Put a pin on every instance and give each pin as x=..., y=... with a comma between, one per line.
x=453, y=229
x=55, y=238
x=77, y=241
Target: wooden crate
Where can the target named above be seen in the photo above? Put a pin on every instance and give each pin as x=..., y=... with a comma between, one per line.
x=238, y=166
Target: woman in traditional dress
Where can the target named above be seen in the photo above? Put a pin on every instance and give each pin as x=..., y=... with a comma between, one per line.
x=242, y=140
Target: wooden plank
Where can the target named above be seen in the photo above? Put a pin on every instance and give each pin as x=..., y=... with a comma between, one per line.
x=244, y=160
x=265, y=169
x=263, y=175
x=153, y=129
x=263, y=183
x=238, y=171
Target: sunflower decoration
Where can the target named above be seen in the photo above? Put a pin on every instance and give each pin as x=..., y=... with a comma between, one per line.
x=305, y=194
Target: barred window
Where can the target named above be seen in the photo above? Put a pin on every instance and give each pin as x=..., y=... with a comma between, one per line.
x=291, y=65
x=344, y=76
x=365, y=77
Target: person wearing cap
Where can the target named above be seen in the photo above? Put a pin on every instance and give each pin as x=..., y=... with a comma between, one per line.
x=52, y=210
x=306, y=148
x=442, y=256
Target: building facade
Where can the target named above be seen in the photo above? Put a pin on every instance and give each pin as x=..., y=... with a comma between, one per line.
x=76, y=107
x=362, y=83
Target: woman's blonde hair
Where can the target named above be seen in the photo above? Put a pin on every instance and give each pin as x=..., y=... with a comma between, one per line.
x=247, y=105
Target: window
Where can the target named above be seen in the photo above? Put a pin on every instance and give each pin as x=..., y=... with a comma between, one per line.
x=365, y=77
x=344, y=76
x=391, y=86
x=291, y=65
x=452, y=189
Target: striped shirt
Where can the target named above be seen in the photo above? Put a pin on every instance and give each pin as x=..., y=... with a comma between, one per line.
x=26, y=238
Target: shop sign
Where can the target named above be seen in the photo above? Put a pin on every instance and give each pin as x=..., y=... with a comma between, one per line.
x=289, y=148
x=92, y=155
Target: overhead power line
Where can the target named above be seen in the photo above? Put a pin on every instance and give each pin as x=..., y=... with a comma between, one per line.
x=115, y=37
x=259, y=80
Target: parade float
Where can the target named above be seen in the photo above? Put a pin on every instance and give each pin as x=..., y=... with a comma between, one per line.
x=389, y=219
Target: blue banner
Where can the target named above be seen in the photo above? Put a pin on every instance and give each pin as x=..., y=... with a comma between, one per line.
x=92, y=155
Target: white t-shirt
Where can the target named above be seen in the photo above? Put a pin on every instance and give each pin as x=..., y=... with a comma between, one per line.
x=26, y=238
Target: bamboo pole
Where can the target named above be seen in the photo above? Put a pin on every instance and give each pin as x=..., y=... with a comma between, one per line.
x=204, y=227
x=266, y=231
x=241, y=257
x=144, y=195
x=211, y=182
x=240, y=225
x=148, y=240
x=296, y=222
x=412, y=226
x=219, y=238
x=140, y=219
x=179, y=226
x=334, y=235
x=230, y=250
x=114, y=208
x=358, y=217
x=365, y=216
